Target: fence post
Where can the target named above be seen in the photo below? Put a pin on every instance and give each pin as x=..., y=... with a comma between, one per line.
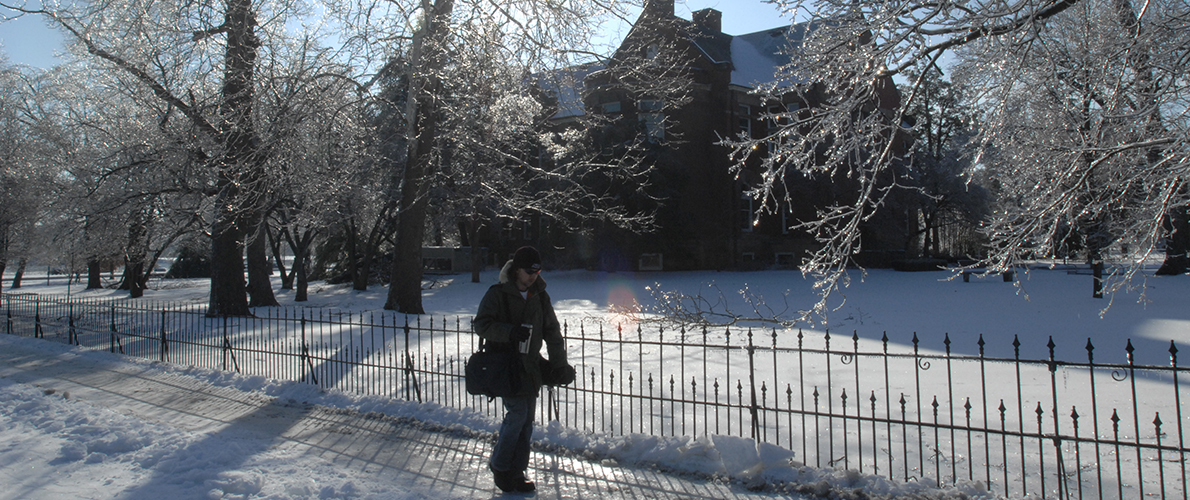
x=304, y=360
x=752, y=386
x=1135, y=418
x=302, y=356
x=830, y=400
x=164, y=345
x=37, y=333
x=410, y=365
x=225, y=343
x=73, y=335
x=859, y=424
x=227, y=349
x=407, y=361
x=1161, y=468
x=1173, y=361
x=1060, y=461
x=112, y=344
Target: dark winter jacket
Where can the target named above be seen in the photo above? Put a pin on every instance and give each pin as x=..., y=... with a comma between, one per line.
x=503, y=308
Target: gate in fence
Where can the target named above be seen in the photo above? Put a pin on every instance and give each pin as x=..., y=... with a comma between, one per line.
x=982, y=412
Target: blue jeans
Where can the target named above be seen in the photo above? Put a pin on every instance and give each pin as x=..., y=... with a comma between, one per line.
x=511, y=453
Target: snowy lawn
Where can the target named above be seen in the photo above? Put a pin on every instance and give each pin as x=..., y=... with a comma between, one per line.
x=1042, y=304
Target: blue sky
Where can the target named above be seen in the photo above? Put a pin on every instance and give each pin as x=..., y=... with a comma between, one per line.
x=29, y=41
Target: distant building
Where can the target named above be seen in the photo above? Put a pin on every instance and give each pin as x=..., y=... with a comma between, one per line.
x=707, y=221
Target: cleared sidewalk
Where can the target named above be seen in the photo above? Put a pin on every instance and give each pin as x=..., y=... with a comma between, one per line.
x=450, y=463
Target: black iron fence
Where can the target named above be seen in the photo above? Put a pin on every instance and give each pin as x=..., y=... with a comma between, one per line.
x=984, y=413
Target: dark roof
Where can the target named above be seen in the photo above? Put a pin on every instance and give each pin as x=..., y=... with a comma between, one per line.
x=714, y=44
x=756, y=57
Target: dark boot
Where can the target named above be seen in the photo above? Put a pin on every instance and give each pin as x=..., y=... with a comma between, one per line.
x=506, y=481
x=523, y=485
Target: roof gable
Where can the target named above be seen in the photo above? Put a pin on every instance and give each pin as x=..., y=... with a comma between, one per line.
x=757, y=57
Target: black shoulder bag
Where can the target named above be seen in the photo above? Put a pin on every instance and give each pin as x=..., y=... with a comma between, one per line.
x=495, y=373
x=494, y=370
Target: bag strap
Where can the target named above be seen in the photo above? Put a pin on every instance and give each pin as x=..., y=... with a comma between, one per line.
x=508, y=311
x=507, y=314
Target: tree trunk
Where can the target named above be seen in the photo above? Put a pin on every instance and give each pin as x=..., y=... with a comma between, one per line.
x=228, y=290
x=238, y=165
x=3, y=252
x=132, y=277
x=360, y=255
x=473, y=229
x=301, y=265
x=1177, y=244
x=299, y=269
x=936, y=239
x=260, y=287
x=134, y=253
x=275, y=246
x=94, y=274
x=16, y=279
x=404, y=293
x=300, y=245
x=363, y=270
x=350, y=242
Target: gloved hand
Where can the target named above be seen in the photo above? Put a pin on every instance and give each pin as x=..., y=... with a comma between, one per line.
x=563, y=375
x=519, y=333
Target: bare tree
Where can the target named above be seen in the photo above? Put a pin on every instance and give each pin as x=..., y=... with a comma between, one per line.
x=509, y=162
x=948, y=200
x=119, y=187
x=24, y=182
x=1012, y=52
x=1084, y=154
x=428, y=36
x=201, y=64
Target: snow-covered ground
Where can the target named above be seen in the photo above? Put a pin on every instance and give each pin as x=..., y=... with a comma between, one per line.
x=54, y=446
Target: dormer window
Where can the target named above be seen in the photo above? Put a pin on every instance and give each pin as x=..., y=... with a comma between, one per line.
x=650, y=105
x=652, y=51
x=611, y=107
x=745, y=123
x=748, y=219
x=654, y=121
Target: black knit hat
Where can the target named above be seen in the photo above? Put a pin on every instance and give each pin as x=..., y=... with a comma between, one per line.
x=527, y=258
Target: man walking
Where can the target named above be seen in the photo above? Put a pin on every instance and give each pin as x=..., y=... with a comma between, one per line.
x=516, y=315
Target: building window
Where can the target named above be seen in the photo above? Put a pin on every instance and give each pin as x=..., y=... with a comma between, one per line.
x=786, y=260
x=652, y=51
x=527, y=229
x=748, y=218
x=653, y=119
x=775, y=121
x=611, y=107
x=651, y=262
x=745, y=120
x=650, y=105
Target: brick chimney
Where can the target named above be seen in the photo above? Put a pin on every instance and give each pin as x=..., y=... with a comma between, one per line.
x=709, y=19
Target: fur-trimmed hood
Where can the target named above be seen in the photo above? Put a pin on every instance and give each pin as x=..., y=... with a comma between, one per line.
x=506, y=277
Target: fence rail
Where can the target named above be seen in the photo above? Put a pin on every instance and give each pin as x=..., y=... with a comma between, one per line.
x=1017, y=425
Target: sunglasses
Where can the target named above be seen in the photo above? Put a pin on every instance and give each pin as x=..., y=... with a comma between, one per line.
x=531, y=271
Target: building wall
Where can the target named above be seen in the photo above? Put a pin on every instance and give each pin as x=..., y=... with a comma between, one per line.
x=703, y=221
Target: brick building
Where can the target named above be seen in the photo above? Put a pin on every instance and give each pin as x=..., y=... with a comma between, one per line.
x=705, y=220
